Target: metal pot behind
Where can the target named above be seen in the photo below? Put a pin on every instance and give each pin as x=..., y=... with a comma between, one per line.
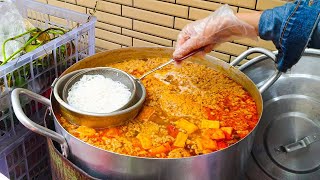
x=287, y=145
x=104, y=164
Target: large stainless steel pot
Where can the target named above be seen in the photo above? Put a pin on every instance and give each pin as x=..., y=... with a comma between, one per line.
x=287, y=143
x=104, y=164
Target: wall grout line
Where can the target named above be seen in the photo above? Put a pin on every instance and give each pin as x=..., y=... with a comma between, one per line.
x=118, y=23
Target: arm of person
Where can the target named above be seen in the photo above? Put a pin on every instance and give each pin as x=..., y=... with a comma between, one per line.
x=291, y=27
x=251, y=18
x=271, y=22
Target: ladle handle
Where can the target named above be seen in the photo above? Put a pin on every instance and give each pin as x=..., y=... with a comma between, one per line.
x=28, y=123
x=171, y=61
x=155, y=69
x=190, y=54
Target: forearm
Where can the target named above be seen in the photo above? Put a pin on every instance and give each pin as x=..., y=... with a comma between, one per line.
x=251, y=18
x=290, y=27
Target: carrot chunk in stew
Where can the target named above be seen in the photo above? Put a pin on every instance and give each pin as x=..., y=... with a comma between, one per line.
x=217, y=134
x=209, y=144
x=172, y=130
x=222, y=145
x=146, y=113
x=165, y=148
x=227, y=131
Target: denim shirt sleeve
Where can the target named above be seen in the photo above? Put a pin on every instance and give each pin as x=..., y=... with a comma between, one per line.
x=291, y=27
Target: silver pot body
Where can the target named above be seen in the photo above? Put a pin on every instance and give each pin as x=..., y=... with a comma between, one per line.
x=288, y=143
x=108, y=165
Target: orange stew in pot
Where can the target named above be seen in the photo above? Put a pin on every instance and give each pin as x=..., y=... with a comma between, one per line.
x=189, y=110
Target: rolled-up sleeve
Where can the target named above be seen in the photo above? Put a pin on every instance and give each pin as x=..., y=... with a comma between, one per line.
x=292, y=27
x=271, y=21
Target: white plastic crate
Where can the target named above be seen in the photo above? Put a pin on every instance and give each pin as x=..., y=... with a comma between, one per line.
x=26, y=158
x=37, y=70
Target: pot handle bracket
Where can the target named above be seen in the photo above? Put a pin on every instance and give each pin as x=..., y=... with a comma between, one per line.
x=28, y=123
x=269, y=54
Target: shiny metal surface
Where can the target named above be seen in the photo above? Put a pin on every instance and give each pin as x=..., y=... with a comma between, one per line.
x=105, y=164
x=96, y=120
x=157, y=68
x=29, y=123
x=303, y=143
x=291, y=114
x=269, y=54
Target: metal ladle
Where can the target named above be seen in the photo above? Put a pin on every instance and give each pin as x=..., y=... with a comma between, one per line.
x=120, y=76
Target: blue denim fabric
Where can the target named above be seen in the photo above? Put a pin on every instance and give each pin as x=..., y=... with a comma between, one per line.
x=292, y=28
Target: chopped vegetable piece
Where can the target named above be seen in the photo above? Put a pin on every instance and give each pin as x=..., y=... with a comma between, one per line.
x=199, y=143
x=145, y=141
x=85, y=131
x=206, y=124
x=180, y=140
x=186, y=125
x=172, y=130
x=217, y=134
x=242, y=134
x=222, y=145
x=136, y=142
x=227, y=132
x=209, y=144
x=112, y=132
x=165, y=148
x=146, y=113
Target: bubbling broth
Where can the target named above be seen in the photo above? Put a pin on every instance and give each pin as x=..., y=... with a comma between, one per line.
x=189, y=110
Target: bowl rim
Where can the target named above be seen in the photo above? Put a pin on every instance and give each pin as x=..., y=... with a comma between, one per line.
x=114, y=113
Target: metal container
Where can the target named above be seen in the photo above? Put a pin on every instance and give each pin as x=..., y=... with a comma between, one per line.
x=105, y=164
x=97, y=120
x=287, y=145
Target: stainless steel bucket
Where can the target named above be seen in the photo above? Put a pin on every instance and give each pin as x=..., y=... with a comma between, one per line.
x=287, y=144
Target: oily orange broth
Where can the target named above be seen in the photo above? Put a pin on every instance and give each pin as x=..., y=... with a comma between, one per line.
x=189, y=110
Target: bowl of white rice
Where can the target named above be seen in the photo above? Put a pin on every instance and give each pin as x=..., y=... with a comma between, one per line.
x=91, y=101
x=99, y=90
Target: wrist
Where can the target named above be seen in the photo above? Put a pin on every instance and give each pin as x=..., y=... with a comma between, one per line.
x=251, y=19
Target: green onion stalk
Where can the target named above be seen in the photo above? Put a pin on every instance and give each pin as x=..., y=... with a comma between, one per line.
x=58, y=31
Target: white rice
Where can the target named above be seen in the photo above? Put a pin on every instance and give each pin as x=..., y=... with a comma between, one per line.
x=98, y=94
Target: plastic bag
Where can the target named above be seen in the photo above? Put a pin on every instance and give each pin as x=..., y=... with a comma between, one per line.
x=221, y=26
x=12, y=24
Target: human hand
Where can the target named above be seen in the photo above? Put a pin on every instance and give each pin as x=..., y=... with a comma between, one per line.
x=221, y=26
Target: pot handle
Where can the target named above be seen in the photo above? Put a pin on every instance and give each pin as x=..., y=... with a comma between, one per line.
x=268, y=53
x=28, y=123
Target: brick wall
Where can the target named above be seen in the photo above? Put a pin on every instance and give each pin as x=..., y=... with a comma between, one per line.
x=125, y=23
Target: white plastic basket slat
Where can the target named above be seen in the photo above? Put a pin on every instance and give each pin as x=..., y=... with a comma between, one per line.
x=13, y=136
